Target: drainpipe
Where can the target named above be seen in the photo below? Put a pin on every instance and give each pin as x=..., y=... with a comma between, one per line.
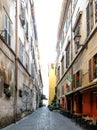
x=16, y=62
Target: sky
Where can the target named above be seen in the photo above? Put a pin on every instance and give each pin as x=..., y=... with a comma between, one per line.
x=47, y=14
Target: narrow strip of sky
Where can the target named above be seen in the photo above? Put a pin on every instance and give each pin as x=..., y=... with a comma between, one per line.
x=47, y=13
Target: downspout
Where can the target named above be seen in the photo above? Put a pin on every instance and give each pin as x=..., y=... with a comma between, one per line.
x=16, y=62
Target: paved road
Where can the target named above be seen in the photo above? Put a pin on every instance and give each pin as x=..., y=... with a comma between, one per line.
x=43, y=119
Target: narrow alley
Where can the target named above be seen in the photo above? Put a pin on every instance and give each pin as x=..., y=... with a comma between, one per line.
x=43, y=119
x=48, y=56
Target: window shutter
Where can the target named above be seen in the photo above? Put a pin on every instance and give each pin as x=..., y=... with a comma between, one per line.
x=91, y=14
x=80, y=77
x=73, y=82
x=91, y=76
x=62, y=90
x=88, y=18
x=95, y=10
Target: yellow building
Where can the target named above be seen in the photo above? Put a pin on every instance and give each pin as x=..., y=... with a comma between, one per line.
x=52, y=82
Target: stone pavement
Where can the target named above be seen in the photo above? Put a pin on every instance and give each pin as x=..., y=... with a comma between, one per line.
x=43, y=119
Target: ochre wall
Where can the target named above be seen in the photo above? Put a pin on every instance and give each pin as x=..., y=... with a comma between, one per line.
x=52, y=84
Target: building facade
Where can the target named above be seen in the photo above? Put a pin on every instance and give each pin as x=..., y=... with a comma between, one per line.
x=20, y=72
x=77, y=57
x=52, y=82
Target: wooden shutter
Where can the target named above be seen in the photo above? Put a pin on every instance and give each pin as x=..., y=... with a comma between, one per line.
x=91, y=14
x=80, y=77
x=73, y=82
x=95, y=10
x=88, y=18
x=91, y=75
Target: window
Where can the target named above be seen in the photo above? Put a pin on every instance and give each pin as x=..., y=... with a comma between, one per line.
x=32, y=70
x=58, y=52
x=77, y=31
x=58, y=91
x=27, y=61
x=1, y=83
x=89, y=16
x=22, y=14
x=31, y=41
x=58, y=76
x=27, y=6
x=95, y=10
x=68, y=55
x=77, y=37
x=20, y=51
x=62, y=65
x=52, y=66
x=93, y=68
x=35, y=32
x=73, y=82
x=73, y=4
x=27, y=30
x=62, y=40
x=68, y=19
x=7, y=31
x=62, y=90
x=77, y=79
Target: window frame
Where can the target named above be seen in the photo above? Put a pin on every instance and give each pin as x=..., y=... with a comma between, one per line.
x=58, y=76
x=62, y=91
x=89, y=17
x=68, y=55
x=77, y=79
x=62, y=65
x=77, y=31
x=27, y=61
x=7, y=29
x=95, y=11
x=92, y=66
x=21, y=51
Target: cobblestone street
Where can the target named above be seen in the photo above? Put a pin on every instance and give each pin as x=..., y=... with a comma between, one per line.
x=43, y=119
